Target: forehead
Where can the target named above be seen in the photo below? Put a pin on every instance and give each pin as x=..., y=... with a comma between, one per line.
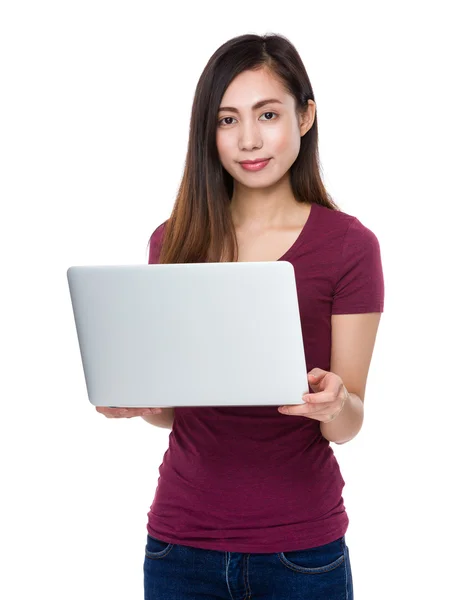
x=249, y=87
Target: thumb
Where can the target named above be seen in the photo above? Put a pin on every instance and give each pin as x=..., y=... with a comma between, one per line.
x=317, y=374
x=315, y=377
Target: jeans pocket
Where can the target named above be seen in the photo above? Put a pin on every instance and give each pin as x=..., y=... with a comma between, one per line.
x=319, y=559
x=156, y=549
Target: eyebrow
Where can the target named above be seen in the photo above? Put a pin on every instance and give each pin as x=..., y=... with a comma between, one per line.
x=257, y=105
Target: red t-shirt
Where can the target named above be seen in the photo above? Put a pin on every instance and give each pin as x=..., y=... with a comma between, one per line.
x=250, y=479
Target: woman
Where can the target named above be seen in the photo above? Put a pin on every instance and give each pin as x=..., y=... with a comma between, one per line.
x=249, y=499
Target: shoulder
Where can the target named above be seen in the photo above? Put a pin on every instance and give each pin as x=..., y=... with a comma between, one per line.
x=345, y=222
x=156, y=240
x=158, y=232
x=350, y=229
x=358, y=235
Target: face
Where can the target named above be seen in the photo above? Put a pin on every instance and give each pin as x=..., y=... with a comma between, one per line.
x=272, y=130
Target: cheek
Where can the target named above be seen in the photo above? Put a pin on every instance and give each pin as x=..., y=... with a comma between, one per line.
x=287, y=140
x=225, y=148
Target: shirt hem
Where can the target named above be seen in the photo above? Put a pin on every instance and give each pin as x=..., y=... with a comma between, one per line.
x=303, y=543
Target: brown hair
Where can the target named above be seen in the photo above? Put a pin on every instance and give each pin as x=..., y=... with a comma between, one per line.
x=200, y=226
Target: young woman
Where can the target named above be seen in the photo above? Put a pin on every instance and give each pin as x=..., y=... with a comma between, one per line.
x=249, y=499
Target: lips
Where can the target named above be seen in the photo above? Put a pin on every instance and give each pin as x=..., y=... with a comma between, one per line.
x=253, y=162
x=255, y=166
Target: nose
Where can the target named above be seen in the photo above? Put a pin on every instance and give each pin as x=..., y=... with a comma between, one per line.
x=250, y=137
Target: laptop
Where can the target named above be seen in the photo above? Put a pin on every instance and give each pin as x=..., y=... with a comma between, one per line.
x=191, y=334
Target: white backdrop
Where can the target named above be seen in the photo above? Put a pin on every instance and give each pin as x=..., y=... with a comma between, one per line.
x=95, y=104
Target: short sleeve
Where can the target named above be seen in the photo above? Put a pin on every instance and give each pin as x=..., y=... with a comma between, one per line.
x=359, y=287
x=156, y=244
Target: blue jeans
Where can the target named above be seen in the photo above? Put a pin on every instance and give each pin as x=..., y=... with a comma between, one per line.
x=176, y=572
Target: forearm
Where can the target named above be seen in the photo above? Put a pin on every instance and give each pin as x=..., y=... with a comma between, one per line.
x=163, y=419
x=348, y=423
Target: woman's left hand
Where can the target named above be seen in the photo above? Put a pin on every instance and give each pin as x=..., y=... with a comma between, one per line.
x=326, y=403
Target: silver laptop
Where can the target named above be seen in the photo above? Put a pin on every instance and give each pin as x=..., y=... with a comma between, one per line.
x=191, y=334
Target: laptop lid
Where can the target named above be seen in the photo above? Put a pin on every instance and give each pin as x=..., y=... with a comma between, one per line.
x=194, y=334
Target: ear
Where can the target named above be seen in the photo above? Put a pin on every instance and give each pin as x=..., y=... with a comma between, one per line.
x=307, y=118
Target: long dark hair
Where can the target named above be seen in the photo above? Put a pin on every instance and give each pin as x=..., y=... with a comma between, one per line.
x=200, y=228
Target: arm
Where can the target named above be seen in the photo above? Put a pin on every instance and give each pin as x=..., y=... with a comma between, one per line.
x=353, y=341
x=164, y=419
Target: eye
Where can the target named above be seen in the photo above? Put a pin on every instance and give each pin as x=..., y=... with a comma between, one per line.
x=266, y=113
x=269, y=112
x=219, y=122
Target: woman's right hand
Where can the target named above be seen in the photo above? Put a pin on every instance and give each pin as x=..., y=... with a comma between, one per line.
x=122, y=412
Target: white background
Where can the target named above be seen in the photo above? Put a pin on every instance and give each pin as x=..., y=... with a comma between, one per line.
x=95, y=106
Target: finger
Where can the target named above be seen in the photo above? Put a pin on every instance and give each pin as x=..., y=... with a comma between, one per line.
x=317, y=374
x=319, y=397
x=146, y=412
x=292, y=409
x=325, y=381
x=319, y=412
x=139, y=412
x=106, y=412
x=124, y=409
x=111, y=413
x=115, y=414
x=318, y=382
x=320, y=401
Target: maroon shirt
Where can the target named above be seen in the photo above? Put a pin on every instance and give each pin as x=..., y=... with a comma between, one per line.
x=250, y=479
